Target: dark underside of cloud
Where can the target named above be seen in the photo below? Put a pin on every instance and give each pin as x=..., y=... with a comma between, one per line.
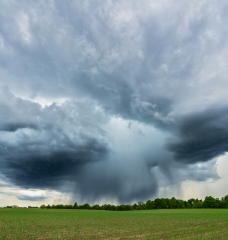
x=12, y=127
x=201, y=136
x=117, y=99
x=50, y=170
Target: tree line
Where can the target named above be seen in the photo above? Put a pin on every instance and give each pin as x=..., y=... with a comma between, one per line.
x=158, y=203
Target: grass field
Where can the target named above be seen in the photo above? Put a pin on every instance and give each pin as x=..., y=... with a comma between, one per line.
x=92, y=224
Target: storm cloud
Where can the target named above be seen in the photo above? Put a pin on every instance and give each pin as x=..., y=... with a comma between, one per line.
x=202, y=136
x=112, y=99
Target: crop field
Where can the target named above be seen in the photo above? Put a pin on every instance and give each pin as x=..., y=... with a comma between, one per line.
x=97, y=224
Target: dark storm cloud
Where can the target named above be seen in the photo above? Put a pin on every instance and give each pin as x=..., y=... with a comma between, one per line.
x=49, y=171
x=50, y=154
x=12, y=127
x=94, y=61
x=201, y=136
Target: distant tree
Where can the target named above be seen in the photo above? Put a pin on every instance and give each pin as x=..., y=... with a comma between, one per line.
x=75, y=205
x=110, y=207
x=198, y=203
x=185, y=204
x=166, y=203
x=113, y=208
x=68, y=207
x=180, y=204
x=59, y=206
x=135, y=206
x=104, y=207
x=173, y=202
x=97, y=207
x=141, y=205
x=160, y=203
x=86, y=206
x=157, y=203
x=224, y=201
x=190, y=203
x=128, y=207
x=149, y=204
x=210, y=202
x=122, y=208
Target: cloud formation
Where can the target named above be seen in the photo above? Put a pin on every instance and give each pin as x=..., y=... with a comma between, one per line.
x=117, y=98
x=54, y=148
x=202, y=136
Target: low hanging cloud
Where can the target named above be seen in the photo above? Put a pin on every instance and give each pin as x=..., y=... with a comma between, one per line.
x=52, y=151
x=201, y=136
x=31, y=198
x=112, y=100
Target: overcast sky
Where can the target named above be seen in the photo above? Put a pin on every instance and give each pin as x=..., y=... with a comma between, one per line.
x=112, y=101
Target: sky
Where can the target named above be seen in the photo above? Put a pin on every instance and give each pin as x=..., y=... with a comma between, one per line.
x=112, y=101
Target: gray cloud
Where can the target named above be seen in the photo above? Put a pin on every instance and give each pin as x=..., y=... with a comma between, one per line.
x=201, y=136
x=31, y=198
x=53, y=152
x=16, y=113
x=72, y=68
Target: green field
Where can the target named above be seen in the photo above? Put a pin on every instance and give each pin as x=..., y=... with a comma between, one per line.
x=92, y=224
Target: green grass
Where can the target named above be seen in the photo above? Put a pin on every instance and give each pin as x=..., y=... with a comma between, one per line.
x=92, y=224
